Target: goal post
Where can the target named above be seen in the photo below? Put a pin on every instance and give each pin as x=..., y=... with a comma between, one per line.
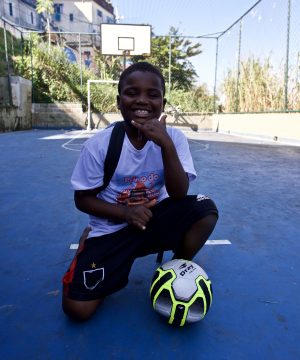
x=89, y=112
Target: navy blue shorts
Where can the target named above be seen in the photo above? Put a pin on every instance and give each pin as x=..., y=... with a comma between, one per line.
x=102, y=265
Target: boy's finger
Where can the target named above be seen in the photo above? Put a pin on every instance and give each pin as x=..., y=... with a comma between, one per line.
x=150, y=203
x=137, y=125
x=139, y=225
x=162, y=119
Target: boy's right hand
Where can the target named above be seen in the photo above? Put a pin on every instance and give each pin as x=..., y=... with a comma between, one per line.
x=139, y=215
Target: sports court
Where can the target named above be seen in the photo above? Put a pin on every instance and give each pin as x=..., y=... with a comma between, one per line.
x=255, y=277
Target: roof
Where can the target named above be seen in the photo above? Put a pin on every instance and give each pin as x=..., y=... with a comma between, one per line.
x=105, y=5
x=31, y=3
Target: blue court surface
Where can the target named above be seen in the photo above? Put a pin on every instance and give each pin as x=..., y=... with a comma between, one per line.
x=256, y=277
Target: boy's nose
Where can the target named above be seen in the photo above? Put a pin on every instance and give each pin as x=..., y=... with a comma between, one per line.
x=142, y=98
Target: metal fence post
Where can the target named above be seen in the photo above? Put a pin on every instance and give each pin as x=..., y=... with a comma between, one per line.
x=216, y=73
x=80, y=59
x=31, y=64
x=7, y=64
x=286, y=75
x=170, y=59
x=238, y=69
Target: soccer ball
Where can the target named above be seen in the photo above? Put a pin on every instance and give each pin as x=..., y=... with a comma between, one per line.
x=181, y=292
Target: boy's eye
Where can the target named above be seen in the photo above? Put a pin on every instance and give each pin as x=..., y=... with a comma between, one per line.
x=130, y=92
x=154, y=93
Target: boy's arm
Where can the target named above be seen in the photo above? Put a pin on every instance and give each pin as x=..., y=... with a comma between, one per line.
x=176, y=179
x=87, y=202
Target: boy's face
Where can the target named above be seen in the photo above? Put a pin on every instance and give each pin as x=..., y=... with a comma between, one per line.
x=141, y=97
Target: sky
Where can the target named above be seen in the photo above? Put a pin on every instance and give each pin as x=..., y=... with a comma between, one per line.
x=193, y=17
x=264, y=30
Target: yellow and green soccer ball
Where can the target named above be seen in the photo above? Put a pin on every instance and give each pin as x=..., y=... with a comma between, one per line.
x=181, y=292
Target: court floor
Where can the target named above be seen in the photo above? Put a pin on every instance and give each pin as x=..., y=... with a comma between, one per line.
x=256, y=306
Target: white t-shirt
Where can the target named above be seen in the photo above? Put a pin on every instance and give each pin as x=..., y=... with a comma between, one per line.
x=138, y=178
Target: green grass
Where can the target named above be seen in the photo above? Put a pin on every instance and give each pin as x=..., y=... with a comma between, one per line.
x=14, y=48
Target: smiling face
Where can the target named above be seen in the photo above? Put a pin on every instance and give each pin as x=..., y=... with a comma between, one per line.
x=141, y=97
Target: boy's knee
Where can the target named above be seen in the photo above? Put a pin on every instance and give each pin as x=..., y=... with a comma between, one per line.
x=207, y=223
x=80, y=310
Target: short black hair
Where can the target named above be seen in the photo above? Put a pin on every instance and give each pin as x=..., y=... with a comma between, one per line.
x=145, y=67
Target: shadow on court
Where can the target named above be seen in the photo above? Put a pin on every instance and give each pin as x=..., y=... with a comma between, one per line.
x=255, y=310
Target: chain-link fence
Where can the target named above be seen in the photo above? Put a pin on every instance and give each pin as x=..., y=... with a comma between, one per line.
x=258, y=59
x=252, y=66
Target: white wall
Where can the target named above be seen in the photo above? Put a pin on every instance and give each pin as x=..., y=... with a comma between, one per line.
x=21, y=13
x=283, y=127
x=85, y=16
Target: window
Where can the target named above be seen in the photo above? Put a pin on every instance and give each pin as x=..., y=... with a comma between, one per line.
x=58, y=9
x=31, y=15
x=10, y=9
x=57, y=16
x=99, y=13
x=71, y=16
x=87, y=60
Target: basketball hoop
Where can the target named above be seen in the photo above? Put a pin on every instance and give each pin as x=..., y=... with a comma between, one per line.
x=125, y=40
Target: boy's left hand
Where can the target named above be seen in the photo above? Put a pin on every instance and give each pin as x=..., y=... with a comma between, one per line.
x=154, y=130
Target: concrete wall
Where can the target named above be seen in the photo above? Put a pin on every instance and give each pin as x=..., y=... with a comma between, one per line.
x=60, y=115
x=282, y=127
x=15, y=113
x=70, y=115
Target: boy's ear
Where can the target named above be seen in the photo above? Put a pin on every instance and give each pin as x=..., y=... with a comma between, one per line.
x=164, y=103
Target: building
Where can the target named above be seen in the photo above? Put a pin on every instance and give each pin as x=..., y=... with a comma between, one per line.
x=77, y=21
x=21, y=13
x=84, y=16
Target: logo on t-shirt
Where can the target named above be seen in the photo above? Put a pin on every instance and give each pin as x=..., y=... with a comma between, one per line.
x=140, y=190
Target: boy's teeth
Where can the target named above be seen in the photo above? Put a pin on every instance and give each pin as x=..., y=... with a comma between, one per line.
x=142, y=112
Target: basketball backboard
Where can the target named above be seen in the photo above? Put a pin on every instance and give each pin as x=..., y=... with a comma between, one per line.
x=120, y=39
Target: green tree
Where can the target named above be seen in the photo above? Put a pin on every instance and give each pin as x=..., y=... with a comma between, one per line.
x=183, y=74
x=46, y=7
x=109, y=67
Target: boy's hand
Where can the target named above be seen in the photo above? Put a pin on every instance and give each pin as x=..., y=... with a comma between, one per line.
x=154, y=130
x=139, y=215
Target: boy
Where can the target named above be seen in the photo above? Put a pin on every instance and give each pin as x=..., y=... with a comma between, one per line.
x=145, y=208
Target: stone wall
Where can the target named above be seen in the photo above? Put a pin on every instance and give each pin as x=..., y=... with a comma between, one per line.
x=15, y=106
x=60, y=115
x=18, y=113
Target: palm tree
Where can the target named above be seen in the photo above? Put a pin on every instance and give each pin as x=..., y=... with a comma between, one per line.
x=46, y=6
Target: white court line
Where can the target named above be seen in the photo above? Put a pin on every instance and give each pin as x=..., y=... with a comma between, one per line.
x=74, y=246
x=72, y=134
x=208, y=242
x=218, y=242
x=74, y=138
